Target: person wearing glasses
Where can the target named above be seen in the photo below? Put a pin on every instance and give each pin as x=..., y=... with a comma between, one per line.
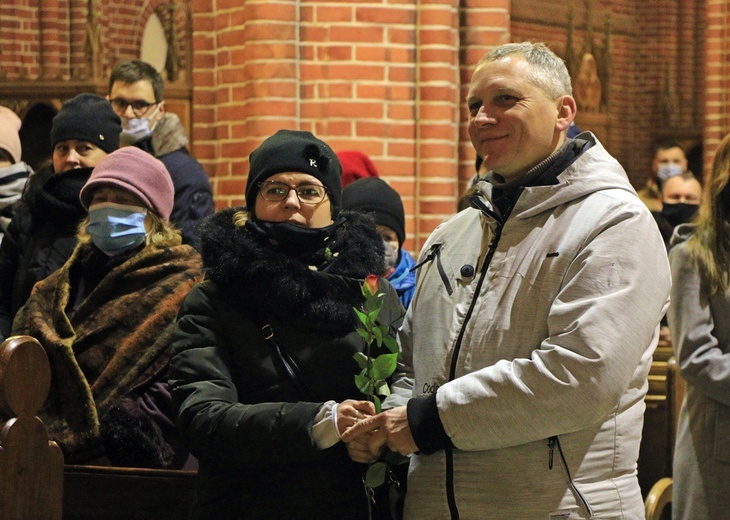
x=136, y=92
x=263, y=413
x=42, y=234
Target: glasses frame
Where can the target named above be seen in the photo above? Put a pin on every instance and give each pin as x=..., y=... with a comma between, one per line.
x=295, y=188
x=138, y=112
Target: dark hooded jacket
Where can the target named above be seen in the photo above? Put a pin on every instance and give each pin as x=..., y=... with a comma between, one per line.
x=40, y=238
x=243, y=418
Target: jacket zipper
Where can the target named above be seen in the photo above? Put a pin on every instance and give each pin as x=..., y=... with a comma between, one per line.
x=450, y=491
x=435, y=252
x=555, y=441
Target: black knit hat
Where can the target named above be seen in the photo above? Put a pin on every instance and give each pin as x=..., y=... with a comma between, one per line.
x=294, y=151
x=87, y=117
x=374, y=196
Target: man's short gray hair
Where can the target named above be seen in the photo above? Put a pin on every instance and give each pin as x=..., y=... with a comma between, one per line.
x=549, y=72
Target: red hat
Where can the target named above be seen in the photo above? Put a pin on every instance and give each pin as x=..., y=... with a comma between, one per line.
x=356, y=165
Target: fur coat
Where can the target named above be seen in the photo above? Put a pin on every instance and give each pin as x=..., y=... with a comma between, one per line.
x=112, y=342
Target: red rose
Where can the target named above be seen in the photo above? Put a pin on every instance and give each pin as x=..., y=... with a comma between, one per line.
x=371, y=281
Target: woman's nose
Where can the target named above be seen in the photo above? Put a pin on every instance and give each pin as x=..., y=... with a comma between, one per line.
x=73, y=157
x=292, y=199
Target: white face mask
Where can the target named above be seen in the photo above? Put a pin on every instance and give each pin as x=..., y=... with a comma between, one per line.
x=391, y=255
x=665, y=171
x=137, y=128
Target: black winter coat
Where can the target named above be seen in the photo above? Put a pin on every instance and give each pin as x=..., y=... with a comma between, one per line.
x=40, y=238
x=240, y=415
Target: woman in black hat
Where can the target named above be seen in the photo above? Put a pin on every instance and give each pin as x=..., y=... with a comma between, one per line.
x=263, y=349
x=42, y=234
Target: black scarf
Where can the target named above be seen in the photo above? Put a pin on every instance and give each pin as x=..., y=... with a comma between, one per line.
x=57, y=198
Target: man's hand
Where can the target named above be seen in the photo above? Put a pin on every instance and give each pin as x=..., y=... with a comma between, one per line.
x=388, y=428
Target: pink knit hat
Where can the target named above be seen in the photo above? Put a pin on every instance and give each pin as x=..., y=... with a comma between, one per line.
x=137, y=172
x=9, y=138
x=356, y=165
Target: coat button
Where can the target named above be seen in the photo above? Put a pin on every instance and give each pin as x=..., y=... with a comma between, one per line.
x=467, y=271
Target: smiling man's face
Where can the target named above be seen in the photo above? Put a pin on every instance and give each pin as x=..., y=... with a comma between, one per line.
x=513, y=124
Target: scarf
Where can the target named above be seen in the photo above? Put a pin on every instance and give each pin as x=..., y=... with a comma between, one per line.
x=116, y=341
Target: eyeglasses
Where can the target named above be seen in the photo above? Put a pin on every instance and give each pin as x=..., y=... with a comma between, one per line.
x=139, y=106
x=275, y=191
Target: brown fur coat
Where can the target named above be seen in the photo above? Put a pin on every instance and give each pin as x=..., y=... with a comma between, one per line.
x=115, y=341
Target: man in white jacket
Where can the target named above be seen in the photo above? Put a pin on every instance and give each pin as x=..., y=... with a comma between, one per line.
x=536, y=313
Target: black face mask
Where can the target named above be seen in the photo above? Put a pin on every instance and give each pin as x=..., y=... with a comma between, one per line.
x=294, y=240
x=679, y=213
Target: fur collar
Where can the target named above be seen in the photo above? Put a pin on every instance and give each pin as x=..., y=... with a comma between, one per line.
x=265, y=281
x=169, y=135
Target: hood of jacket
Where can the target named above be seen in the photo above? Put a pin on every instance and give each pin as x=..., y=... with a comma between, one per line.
x=594, y=170
x=256, y=273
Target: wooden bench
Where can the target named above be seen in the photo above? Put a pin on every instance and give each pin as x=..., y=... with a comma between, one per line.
x=35, y=483
x=663, y=399
x=31, y=466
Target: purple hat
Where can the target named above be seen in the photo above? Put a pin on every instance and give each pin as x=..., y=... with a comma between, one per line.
x=137, y=172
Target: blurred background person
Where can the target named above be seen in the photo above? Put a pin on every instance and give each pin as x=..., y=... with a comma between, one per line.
x=13, y=171
x=42, y=234
x=378, y=199
x=698, y=320
x=105, y=317
x=681, y=196
x=669, y=160
x=136, y=92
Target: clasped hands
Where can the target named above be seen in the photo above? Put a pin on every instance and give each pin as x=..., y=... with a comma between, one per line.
x=367, y=435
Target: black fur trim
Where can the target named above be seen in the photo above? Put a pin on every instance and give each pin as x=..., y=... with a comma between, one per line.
x=255, y=272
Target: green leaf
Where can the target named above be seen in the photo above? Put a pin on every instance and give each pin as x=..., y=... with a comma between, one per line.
x=391, y=343
x=382, y=388
x=361, y=359
x=363, y=317
x=377, y=403
x=378, y=336
x=374, y=311
x=384, y=366
x=363, y=333
x=363, y=384
x=375, y=475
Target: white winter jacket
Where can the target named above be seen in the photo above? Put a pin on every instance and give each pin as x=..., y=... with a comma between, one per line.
x=551, y=337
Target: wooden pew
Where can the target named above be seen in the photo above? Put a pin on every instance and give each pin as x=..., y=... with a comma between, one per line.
x=663, y=401
x=34, y=482
x=112, y=493
x=31, y=466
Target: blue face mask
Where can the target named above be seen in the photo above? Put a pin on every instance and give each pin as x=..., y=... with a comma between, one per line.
x=116, y=228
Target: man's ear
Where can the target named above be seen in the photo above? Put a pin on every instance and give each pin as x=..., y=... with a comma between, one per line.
x=567, y=109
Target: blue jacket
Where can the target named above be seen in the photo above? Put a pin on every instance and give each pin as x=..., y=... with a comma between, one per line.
x=403, y=279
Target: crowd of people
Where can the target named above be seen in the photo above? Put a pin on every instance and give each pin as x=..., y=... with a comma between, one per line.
x=230, y=342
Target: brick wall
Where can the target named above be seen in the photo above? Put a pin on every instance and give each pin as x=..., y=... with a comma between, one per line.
x=717, y=50
x=389, y=76
x=657, y=68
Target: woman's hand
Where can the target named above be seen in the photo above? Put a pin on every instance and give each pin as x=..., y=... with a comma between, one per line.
x=350, y=412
